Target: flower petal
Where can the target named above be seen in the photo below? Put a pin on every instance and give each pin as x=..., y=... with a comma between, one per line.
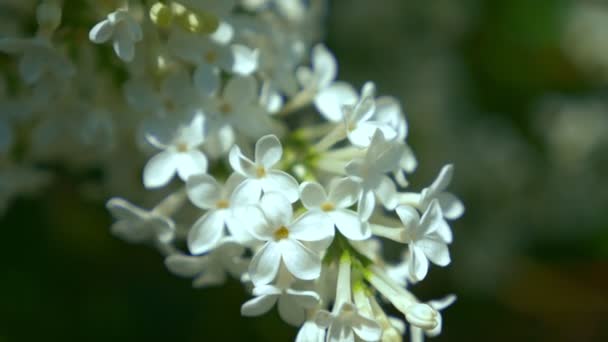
x=350, y=225
x=241, y=90
x=344, y=192
x=366, y=329
x=241, y=164
x=329, y=101
x=277, y=209
x=268, y=151
x=312, y=226
x=418, y=263
x=101, y=32
x=265, y=264
x=245, y=60
x=206, y=232
x=436, y=251
x=203, y=191
x=206, y=79
x=282, y=182
x=185, y=265
x=160, y=169
x=451, y=206
x=312, y=195
x=300, y=261
x=290, y=311
x=258, y=305
x=191, y=163
x=324, y=65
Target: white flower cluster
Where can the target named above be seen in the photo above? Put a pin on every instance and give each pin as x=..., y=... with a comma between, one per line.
x=298, y=176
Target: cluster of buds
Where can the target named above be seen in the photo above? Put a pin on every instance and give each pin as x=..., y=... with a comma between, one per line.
x=271, y=170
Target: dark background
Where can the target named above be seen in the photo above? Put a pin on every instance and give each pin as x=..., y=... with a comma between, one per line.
x=499, y=88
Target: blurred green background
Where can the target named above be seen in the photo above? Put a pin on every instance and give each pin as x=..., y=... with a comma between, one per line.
x=513, y=92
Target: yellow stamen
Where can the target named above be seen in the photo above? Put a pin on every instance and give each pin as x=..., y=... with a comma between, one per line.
x=327, y=206
x=222, y=204
x=260, y=172
x=281, y=233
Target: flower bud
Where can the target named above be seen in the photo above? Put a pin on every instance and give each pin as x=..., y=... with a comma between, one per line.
x=422, y=316
x=161, y=14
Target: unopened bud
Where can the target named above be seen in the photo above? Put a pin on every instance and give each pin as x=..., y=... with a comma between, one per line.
x=161, y=14
x=422, y=316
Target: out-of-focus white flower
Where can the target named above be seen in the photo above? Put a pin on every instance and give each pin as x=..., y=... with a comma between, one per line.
x=284, y=239
x=227, y=206
x=451, y=207
x=38, y=58
x=427, y=238
x=343, y=193
x=310, y=332
x=323, y=71
x=261, y=176
x=137, y=225
x=210, y=269
x=210, y=57
x=370, y=171
x=124, y=31
x=180, y=154
x=291, y=303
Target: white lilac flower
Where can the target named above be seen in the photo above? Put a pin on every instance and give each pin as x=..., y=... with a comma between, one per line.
x=427, y=238
x=323, y=71
x=451, y=207
x=358, y=119
x=38, y=58
x=438, y=305
x=343, y=193
x=345, y=321
x=180, y=154
x=176, y=93
x=370, y=171
x=238, y=106
x=260, y=175
x=331, y=100
x=227, y=206
x=291, y=303
x=310, y=332
x=284, y=241
x=137, y=225
x=124, y=31
x=211, y=269
x=210, y=57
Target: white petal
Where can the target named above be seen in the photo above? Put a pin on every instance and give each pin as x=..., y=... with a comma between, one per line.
x=101, y=32
x=367, y=330
x=241, y=164
x=185, y=266
x=160, y=169
x=312, y=195
x=443, y=179
x=350, y=225
x=310, y=332
x=265, y=264
x=451, y=206
x=344, y=192
x=290, y=311
x=276, y=208
x=206, y=232
x=206, y=79
x=241, y=90
x=339, y=332
x=386, y=192
x=203, y=191
x=443, y=303
x=323, y=318
x=436, y=251
x=300, y=261
x=329, y=101
x=312, y=226
x=362, y=134
x=266, y=290
x=224, y=33
x=248, y=192
x=279, y=181
x=191, y=163
x=123, y=46
x=268, y=151
x=419, y=264
x=124, y=210
x=408, y=216
x=366, y=206
x=258, y=305
x=244, y=221
x=211, y=277
x=324, y=64
x=432, y=221
x=245, y=59
x=305, y=299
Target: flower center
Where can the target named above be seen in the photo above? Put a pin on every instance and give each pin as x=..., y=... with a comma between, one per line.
x=222, y=204
x=327, y=206
x=281, y=233
x=225, y=108
x=260, y=172
x=210, y=57
x=182, y=147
